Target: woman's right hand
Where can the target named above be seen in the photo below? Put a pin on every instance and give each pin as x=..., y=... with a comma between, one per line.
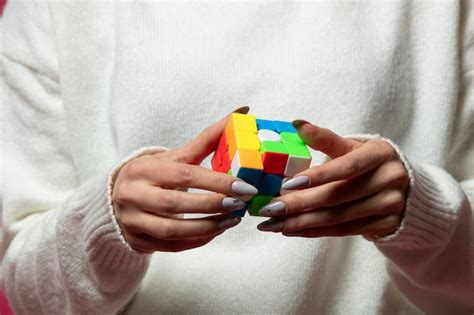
x=148, y=205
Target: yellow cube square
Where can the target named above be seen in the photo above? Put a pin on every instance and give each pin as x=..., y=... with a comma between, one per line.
x=250, y=159
x=243, y=140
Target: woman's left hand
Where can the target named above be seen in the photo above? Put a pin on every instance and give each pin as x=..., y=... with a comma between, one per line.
x=360, y=191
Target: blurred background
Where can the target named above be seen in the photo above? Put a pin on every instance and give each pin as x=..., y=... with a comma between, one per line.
x=4, y=308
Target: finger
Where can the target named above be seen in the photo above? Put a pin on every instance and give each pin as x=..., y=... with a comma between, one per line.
x=205, y=143
x=370, y=226
x=335, y=193
x=154, y=199
x=165, y=228
x=173, y=175
x=324, y=140
x=382, y=204
x=148, y=244
x=359, y=161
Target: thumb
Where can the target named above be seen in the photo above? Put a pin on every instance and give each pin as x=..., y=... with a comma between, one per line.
x=206, y=142
x=324, y=140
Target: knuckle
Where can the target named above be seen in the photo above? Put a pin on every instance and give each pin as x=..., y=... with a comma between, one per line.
x=293, y=203
x=224, y=181
x=318, y=175
x=333, y=216
x=133, y=169
x=386, y=148
x=398, y=176
x=186, y=174
x=212, y=203
x=352, y=166
x=390, y=222
x=165, y=230
x=167, y=202
x=125, y=220
x=334, y=194
x=123, y=194
x=395, y=200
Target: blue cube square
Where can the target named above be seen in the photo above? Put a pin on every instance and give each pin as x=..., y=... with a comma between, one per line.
x=266, y=124
x=283, y=126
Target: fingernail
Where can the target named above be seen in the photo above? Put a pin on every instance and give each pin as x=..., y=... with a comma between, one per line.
x=299, y=122
x=243, y=191
x=297, y=182
x=231, y=204
x=273, y=208
x=228, y=223
x=271, y=226
x=242, y=110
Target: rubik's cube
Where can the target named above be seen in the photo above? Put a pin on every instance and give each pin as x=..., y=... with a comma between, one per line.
x=262, y=153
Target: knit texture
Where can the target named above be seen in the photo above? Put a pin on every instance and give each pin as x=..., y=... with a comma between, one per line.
x=89, y=86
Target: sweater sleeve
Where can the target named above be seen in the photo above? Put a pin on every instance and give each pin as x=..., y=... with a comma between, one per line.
x=431, y=257
x=62, y=251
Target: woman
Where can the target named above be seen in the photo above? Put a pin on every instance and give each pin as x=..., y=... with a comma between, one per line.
x=97, y=93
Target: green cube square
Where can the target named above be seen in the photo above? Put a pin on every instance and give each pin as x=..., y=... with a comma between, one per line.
x=272, y=146
x=290, y=137
x=257, y=203
x=229, y=172
x=297, y=149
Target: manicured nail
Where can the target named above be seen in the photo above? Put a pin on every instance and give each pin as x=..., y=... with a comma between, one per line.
x=273, y=208
x=299, y=123
x=297, y=182
x=243, y=191
x=229, y=222
x=271, y=226
x=242, y=110
x=231, y=204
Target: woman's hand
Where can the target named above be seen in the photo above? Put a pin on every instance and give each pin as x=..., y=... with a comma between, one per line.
x=360, y=191
x=147, y=205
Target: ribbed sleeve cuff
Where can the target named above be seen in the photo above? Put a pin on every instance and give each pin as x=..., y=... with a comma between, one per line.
x=429, y=210
x=429, y=214
x=111, y=180
x=105, y=245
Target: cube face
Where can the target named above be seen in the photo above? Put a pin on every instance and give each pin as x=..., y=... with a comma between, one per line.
x=283, y=126
x=290, y=137
x=261, y=152
x=274, y=163
x=257, y=203
x=243, y=167
x=296, y=165
x=269, y=185
x=266, y=124
x=243, y=140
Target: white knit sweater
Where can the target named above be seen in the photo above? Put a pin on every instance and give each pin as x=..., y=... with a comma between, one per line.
x=87, y=85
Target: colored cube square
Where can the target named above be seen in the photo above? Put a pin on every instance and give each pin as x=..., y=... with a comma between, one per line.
x=225, y=162
x=297, y=149
x=283, y=126
x=242, y=122
x=274, y=156
x=299, y=159
x=243, y=140
x=257, y=203
x=269, y=185
x=247, y=166
x=216, y=162
x=274, y=163
x=266, y=124
x=290, y=137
